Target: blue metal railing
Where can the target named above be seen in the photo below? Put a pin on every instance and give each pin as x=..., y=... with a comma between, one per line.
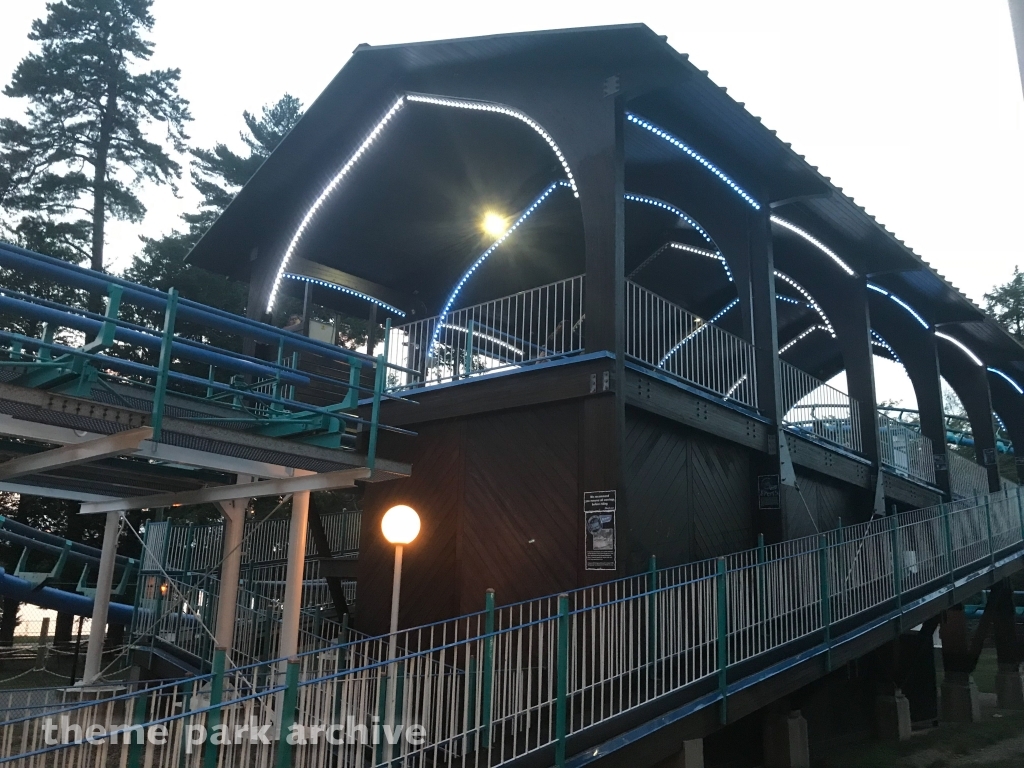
x=131, y=362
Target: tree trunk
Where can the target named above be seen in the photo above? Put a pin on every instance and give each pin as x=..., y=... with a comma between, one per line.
x=9, y=621
x=99, y=186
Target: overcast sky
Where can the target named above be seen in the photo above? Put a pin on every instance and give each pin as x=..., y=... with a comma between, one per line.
x=913, y=108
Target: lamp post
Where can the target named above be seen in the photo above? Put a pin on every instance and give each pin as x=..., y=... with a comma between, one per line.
x=400, y=526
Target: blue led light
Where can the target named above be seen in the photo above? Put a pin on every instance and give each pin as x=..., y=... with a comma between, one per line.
x=326, y=192
x=718, y=316
x=790, y=300
x=665, y=135
x=1008, y=380
x=913, y=313
x=810, y=300
x=807, y=332
x=494, y=246
x=878, y=341
x=813, y=241
x=633, y=198
x=910, y=309
x=345, y=289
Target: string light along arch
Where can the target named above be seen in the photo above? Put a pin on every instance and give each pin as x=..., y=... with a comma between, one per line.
x=375, y=133
x=686, y=149
x=479, y=261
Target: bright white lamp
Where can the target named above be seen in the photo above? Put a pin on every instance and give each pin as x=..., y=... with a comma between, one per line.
x=400, y=526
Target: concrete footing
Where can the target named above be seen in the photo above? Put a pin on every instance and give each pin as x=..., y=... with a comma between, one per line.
x=892, y=716
x=1009, y=686
x=960, y=703
x=785, y=741
x=691, y=755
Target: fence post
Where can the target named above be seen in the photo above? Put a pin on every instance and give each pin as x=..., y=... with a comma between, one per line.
x=762, y=598
x=485, y=704
x=163, y=370
x=949, y=542
x=897, y=560
x=467, y=358
x=988, y=527
x=722, y=608
x=213, y=719
x=1020, y=512
x=44, y=634
x=290, y=700
x=826, y=599
x=379, y=384
x=652, y=605
x=562, y=680
x=137, y=745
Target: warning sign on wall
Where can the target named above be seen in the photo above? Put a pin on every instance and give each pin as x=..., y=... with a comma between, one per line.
x=599, y=528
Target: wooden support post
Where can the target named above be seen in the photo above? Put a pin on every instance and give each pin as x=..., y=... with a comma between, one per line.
x=101, y=603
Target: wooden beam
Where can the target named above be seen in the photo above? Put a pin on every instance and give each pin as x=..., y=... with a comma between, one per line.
x=117, y=444
x=336, y=276
x=324, y=481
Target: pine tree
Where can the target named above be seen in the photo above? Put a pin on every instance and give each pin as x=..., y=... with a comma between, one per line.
x=217, y=174
x=84, y=147
x=1006, y=305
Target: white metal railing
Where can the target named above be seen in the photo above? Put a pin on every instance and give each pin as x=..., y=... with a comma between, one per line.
x=669, y=338
x=966, y=478
x=814, y=407
x=176, y=547
x=494, y=686
x=538, y=324
x=905, y=449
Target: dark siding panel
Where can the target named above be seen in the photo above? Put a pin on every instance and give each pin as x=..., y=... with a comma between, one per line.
x=722, y=499
x=657, y=492
x=521, y=485
x=430, y=564
x=827, y=501
x=688, y=495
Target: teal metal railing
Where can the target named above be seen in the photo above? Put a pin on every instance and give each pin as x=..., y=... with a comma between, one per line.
x=488, y=688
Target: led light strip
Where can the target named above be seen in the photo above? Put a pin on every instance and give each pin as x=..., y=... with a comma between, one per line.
x=735, y=386
x=477, y=334
x=484, y=106
x=878, y=341
x=345, y=289
x=354, y=158
x=879, y=289
x=999, y=420
x=1011, y=382
x=483, y=256
x=326, y=192
x=716, y=255
x=718, y=316
x=662, y=134
x=633, y=198
x=810, y=300
x=802, y=336
x=963, y=347
x=813, y=241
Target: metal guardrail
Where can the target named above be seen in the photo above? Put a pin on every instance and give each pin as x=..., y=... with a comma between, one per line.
x=669, y=338
x=967, y=479
x=819, y=409
x=139, y=351
x=906, y=450
x=190, y=547
x=542, y=323
x=493, y=686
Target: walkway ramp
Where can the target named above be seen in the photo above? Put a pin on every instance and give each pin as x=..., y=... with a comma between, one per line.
x=609, y=674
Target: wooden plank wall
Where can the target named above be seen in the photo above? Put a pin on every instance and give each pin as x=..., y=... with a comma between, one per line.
x=827, y=500
x=498, y=497
x=689, y=495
